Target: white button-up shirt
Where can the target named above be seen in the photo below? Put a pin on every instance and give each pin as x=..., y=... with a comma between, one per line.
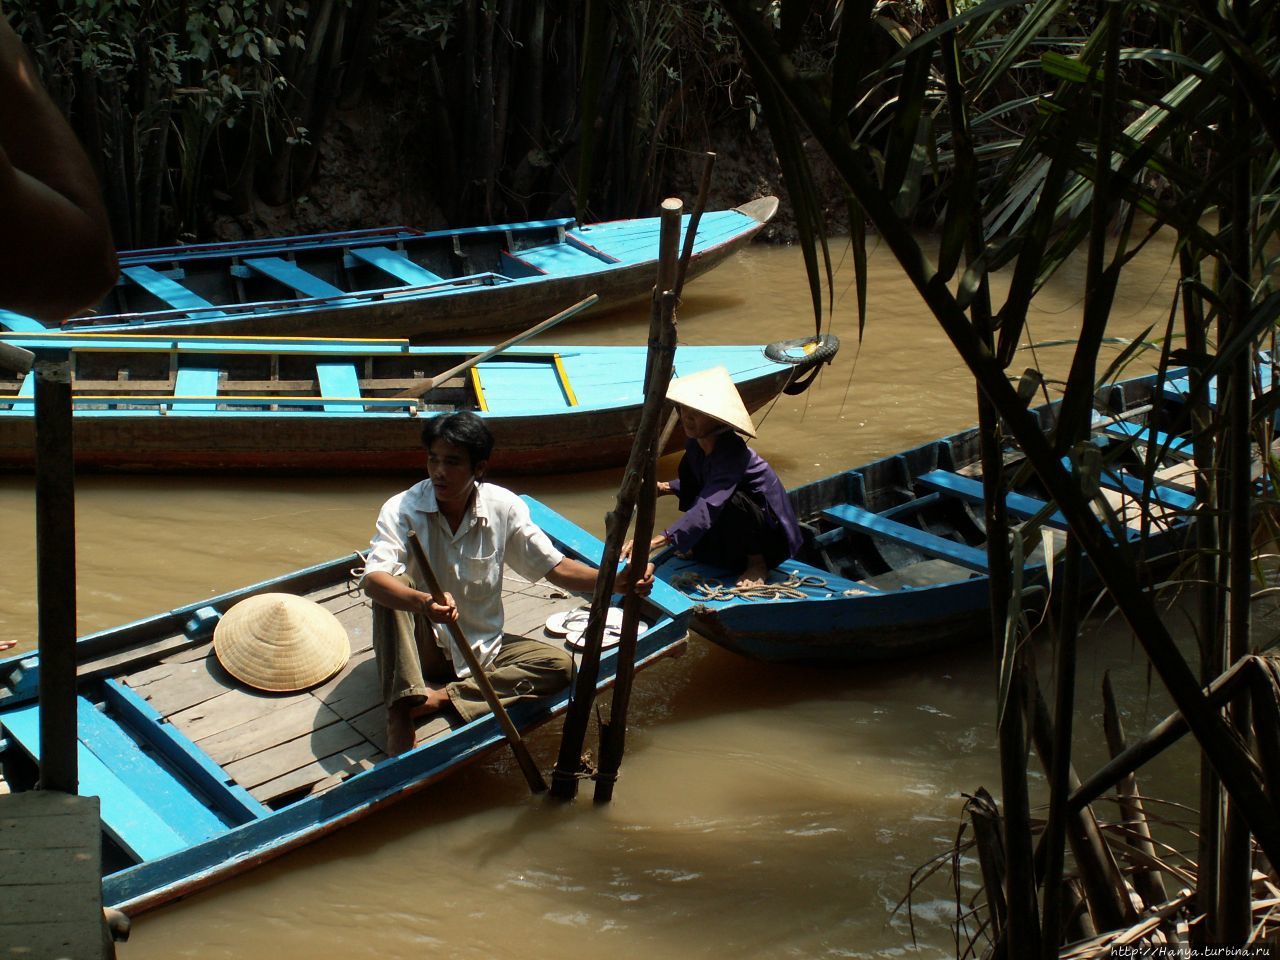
x=497, y=529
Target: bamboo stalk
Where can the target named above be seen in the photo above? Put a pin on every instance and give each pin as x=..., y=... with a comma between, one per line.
x=564, y=778
x=1163, y=735
x=527, y=766
x=1103, y=884
x=1149, y=884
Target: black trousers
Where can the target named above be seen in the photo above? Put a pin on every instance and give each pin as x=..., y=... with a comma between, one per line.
x=741, y=529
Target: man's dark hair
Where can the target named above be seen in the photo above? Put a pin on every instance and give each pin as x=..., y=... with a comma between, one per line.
x=462, y=429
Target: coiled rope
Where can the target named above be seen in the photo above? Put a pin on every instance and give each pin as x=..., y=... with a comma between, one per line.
x=709, y=589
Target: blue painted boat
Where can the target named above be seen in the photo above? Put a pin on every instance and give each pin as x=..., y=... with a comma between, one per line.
x=894, y=562
x=150, y=403
x=202, y=778
x=401, y=282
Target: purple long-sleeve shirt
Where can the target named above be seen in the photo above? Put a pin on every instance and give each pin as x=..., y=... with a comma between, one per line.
x=715, y=476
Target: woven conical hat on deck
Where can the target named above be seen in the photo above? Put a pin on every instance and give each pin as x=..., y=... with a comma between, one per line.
x=281, y=643
x=713, y=392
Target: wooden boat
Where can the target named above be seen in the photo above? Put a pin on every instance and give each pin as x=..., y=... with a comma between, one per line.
x=401, y=282
x=202, y=778
x=894, y=562
x=146, y=403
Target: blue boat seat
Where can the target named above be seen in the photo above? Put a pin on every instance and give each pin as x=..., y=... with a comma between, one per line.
x=970, y=489
x=195, y=382
x=562, y=260
x=21, y=323
x=170, y=291
x=1165, y=496
x=338, y=380
x=396, y=264
x=1177, y=446
x=864, y=521
x=291, y=275
x=25, y=399
x=1019, y=505
x=144, y=807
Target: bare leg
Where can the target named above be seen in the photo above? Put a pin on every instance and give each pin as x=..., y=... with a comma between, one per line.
x=756, y=573
x=401, y=735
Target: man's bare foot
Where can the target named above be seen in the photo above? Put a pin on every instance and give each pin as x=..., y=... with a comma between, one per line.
x=437, y=699
x=756, y=573
x=401, y=734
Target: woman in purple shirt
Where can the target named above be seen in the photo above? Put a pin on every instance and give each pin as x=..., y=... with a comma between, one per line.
x=736, y=512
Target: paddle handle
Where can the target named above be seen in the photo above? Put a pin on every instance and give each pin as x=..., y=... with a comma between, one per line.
x=423, y=387
x=527, y=766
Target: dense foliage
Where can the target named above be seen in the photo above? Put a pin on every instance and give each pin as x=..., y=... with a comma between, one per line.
x=196, y=108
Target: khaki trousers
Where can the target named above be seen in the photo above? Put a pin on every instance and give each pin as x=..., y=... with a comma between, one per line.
x=409, y=659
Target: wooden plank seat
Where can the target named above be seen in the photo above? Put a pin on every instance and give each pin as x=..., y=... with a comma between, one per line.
x=338, y=380
x=144, y=808
x=195, y=382
x=289, y=274
x=397, y=265
x=170, y=291
x=864, y=521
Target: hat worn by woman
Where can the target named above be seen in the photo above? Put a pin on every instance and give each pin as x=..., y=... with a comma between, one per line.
x=280, y=642
x=713, y=393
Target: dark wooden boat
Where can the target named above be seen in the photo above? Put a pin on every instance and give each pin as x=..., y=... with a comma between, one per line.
x=895, y=562
x=147, y=403
x=401, y=282
x=202, y=778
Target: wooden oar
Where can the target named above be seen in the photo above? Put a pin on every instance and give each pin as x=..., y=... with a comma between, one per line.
x=530, y=769
x=423, y=387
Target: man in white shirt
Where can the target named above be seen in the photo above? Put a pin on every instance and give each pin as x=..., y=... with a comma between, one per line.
x=468, y=529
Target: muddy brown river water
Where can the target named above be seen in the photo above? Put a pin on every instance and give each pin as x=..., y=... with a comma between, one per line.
x=763, y=811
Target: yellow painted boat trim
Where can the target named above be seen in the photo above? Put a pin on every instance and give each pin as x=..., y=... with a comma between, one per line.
x=564, y=381
x=479, y=388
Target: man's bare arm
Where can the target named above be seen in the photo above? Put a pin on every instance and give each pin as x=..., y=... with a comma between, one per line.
x=55, y=240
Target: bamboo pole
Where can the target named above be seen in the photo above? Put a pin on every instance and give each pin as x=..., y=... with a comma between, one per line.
x=660, y=361
x=564, y=778
x=527, y=766
x=425, y=386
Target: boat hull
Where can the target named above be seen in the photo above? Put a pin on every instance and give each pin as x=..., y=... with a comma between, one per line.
x=874, y=591
x=550, y=410
x=490, y=279
x=137, y=678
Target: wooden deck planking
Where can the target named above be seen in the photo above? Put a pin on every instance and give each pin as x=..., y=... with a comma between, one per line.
x=50, y=870
x=341, y=765
x=253, y=736
x=290, y=755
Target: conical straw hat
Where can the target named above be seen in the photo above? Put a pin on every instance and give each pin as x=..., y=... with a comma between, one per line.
x=280, y=642
x=712, y=392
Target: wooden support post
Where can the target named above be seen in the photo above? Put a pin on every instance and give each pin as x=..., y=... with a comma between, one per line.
x=56, y=574
x=564, y=778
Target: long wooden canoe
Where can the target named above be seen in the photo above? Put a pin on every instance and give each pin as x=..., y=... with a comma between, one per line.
x=401, y=282
x=148, y=403
x=202, y=778
x=894, y=562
